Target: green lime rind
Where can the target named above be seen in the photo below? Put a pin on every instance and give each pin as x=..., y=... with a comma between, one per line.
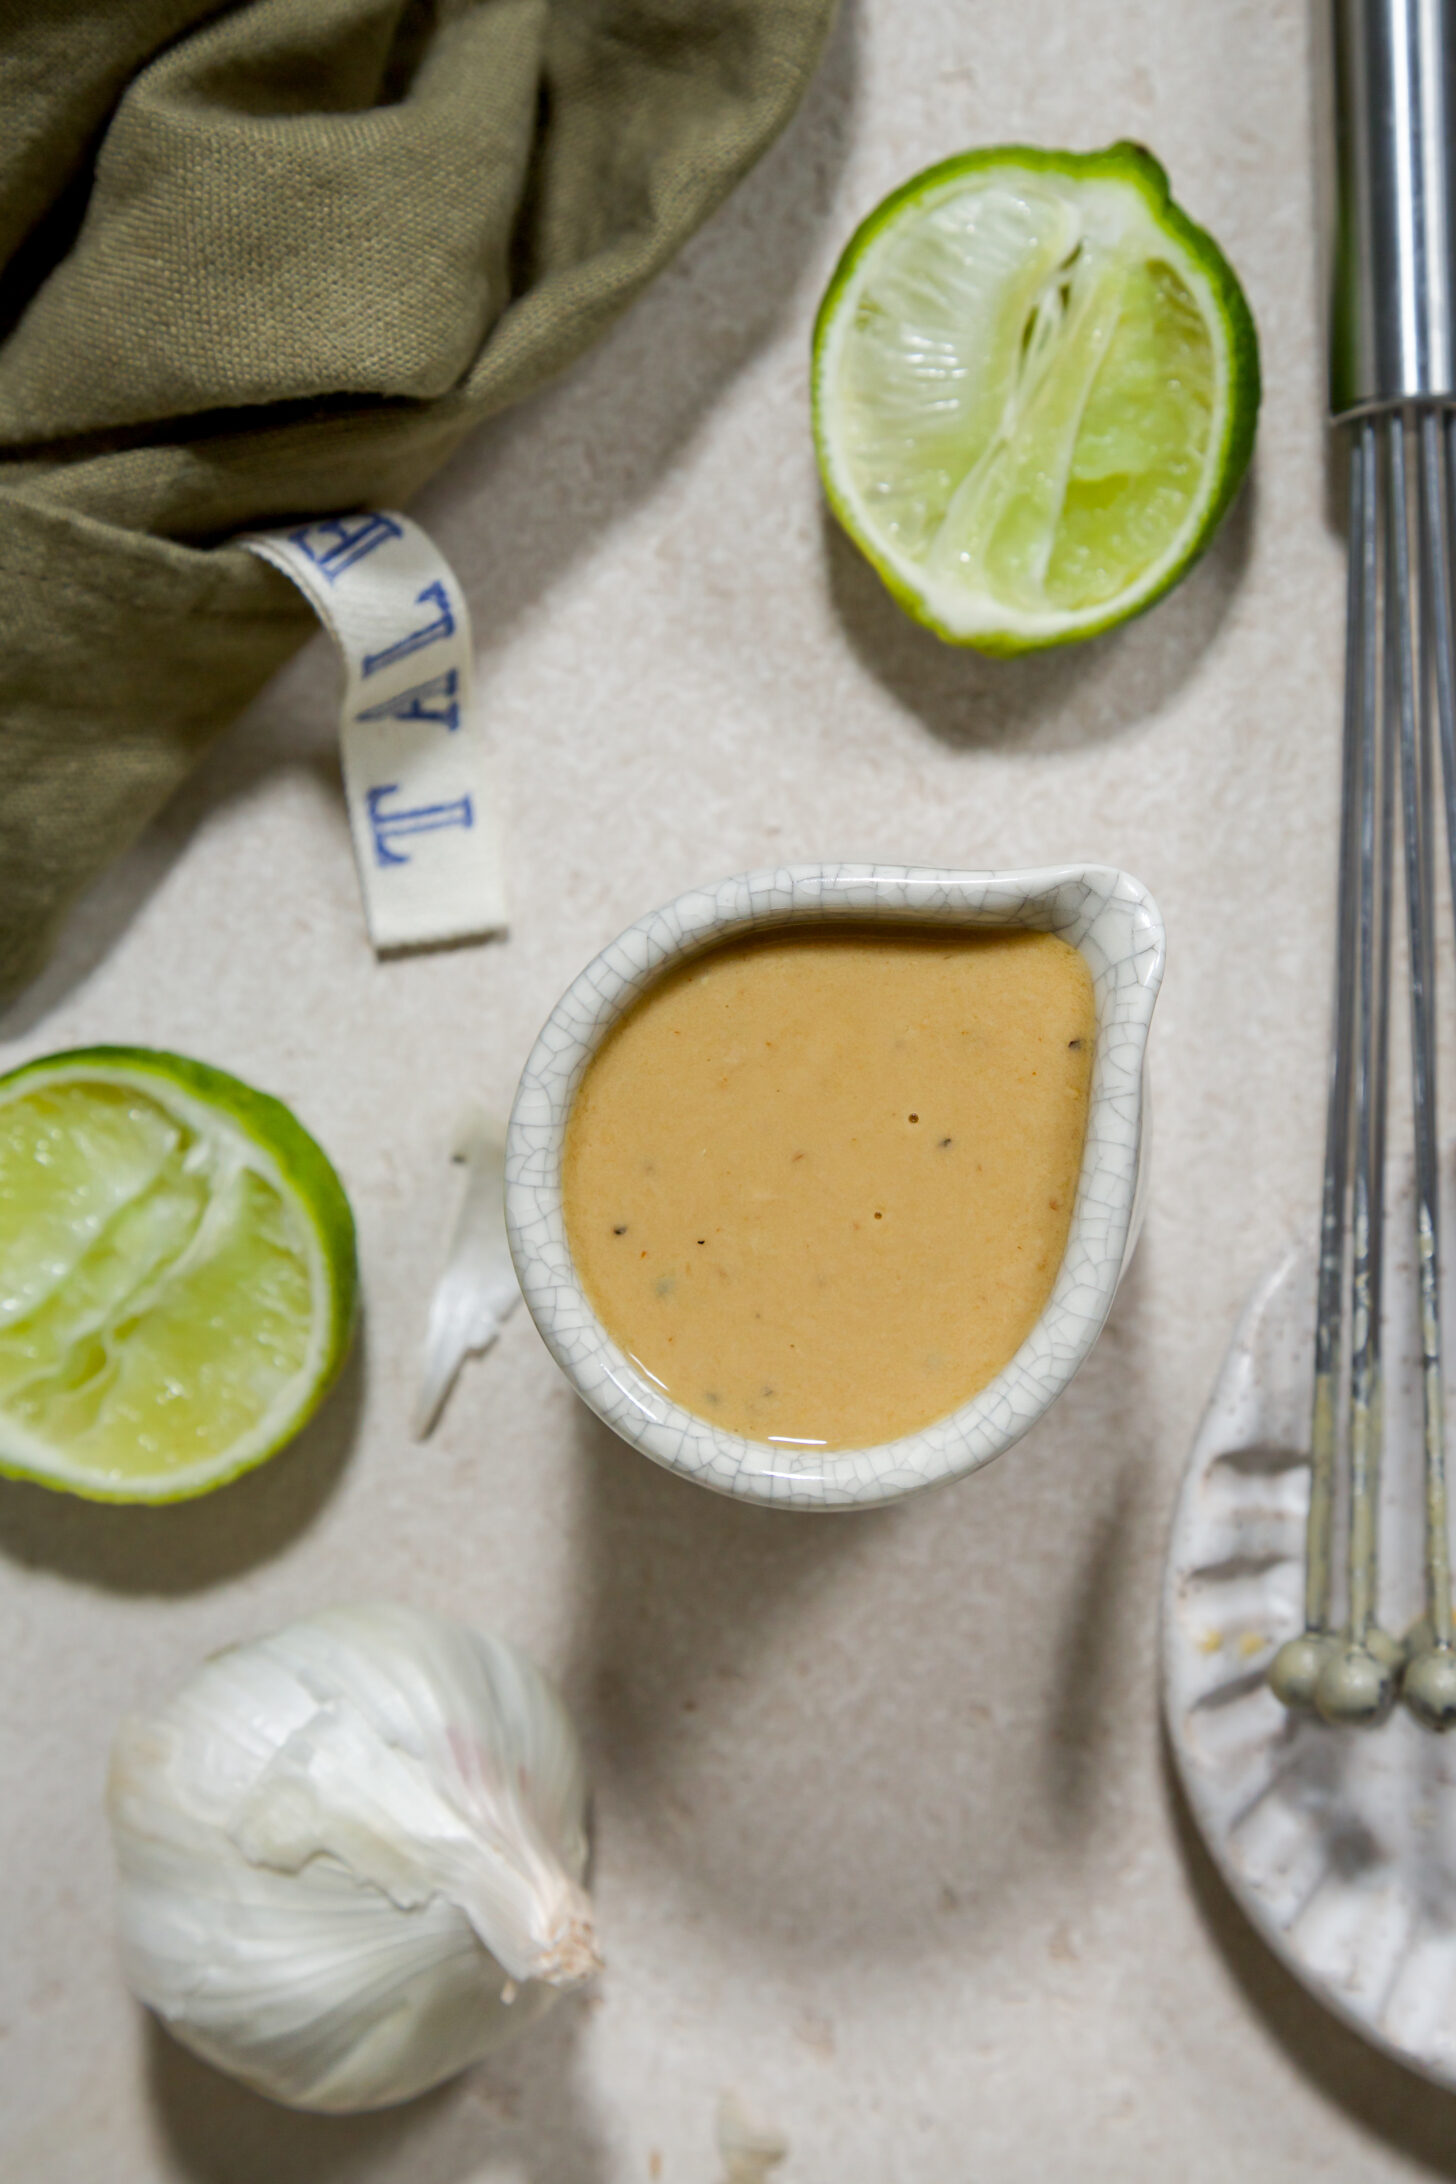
x=315, y=1190
x=1126, y=162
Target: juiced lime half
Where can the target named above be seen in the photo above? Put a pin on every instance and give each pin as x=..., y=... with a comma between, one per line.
x=1035, y=390
x=177, y=1274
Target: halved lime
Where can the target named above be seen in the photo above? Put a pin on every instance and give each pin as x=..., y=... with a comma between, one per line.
x=1035, y=390
x=177, y=1274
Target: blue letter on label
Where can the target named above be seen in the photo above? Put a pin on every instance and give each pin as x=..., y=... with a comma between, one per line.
x=433, y=700
x=424, y=819
x=428, y=633
x=340, y=541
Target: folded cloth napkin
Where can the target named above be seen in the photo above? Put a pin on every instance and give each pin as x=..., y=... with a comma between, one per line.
x=273, y=260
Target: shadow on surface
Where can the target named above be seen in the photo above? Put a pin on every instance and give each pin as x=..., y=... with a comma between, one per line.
x=1394, y=2104
x=684, y=1589
x=1095, y=1635
x=234, y=768
x=573, y=461
x=1061, y=700
x=524, y=2100
x=828, y=1731
x=185, y=1546
x=94, y=925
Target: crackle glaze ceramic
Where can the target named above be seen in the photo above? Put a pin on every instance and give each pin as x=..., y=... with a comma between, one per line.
x=1106, y=914
x=1338, y=1842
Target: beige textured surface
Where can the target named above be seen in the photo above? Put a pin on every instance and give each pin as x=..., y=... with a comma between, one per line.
x=885, y=1838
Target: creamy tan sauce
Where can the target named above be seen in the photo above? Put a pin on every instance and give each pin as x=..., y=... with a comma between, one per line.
x=818, y=1183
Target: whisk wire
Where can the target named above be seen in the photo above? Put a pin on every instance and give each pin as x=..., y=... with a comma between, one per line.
x=1414, y=669
x=1330, y=1300
x=1367, y=1409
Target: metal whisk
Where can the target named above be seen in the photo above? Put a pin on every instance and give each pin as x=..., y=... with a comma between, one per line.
x=1393, y=392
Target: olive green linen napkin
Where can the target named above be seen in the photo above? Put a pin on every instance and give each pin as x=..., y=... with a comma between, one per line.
x=274, y=260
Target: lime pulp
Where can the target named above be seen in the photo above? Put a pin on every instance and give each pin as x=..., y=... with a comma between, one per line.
x=1036, y=383
x=177, y=1274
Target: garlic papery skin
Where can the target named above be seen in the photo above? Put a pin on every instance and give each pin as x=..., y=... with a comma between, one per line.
x=350, y=1855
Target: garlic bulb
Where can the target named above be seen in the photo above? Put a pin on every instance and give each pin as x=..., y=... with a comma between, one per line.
x=350, y=1855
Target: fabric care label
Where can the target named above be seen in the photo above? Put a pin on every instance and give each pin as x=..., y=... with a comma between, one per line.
x=417, y=776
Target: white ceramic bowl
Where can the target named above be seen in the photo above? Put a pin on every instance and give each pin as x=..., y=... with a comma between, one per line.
x=1110, y=917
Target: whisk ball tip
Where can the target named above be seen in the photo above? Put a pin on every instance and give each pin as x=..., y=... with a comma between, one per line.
x=1295, y=1669
x=1354, y=1688
x=1429, y=1687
